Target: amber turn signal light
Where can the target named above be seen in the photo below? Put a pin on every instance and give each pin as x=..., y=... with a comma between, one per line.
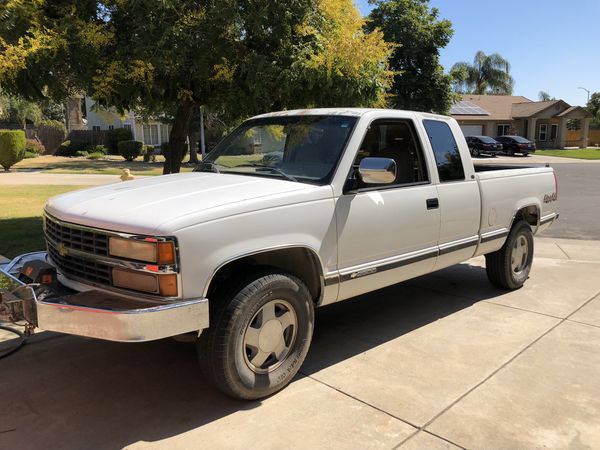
x=166, y=253
x=167, y=285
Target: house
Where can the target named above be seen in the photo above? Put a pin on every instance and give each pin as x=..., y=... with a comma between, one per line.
x=150, y=132
x=542, y=122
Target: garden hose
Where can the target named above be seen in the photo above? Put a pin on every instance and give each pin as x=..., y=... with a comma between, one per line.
x=21, y=343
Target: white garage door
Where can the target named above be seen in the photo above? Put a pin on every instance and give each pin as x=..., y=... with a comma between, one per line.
x=472, y=130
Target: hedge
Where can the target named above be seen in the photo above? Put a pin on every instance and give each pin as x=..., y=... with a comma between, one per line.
x=115, y=136
x=72, y=147
x=130, y=149
x=12, y=147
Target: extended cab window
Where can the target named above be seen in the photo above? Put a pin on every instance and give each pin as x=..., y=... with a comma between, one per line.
x=395, y=139
x=445, y=149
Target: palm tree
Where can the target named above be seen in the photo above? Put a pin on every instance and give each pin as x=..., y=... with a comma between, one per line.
x=489, y=74
x=543, y=96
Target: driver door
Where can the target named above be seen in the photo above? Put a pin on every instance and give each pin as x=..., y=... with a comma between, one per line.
x=388, y=233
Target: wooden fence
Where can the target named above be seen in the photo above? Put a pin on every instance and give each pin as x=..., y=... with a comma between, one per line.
x=50, y=137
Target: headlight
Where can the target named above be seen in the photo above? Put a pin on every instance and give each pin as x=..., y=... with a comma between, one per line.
x=162, y=284
x=147, y=250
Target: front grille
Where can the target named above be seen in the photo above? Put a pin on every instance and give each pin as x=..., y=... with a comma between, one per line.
x=88, y=241
x=85, y=269
x=63, y=236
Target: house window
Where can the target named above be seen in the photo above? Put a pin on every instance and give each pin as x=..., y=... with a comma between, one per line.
x=127, y=126
x=543, y=134
x=96, y=128
x=151, y=134
x=111, y=127
x=503, y=129
x=553, y=131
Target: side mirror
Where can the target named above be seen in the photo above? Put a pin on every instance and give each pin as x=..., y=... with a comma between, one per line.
x=377, y=170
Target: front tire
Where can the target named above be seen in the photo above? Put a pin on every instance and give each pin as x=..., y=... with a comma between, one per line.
x=509, y=267
x=258, y=337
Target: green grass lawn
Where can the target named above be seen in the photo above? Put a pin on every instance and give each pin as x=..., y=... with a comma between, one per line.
x=112, y=165
x=21, y=217
x=585, y=153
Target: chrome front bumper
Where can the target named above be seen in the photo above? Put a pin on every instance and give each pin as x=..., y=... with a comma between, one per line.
x=100, y=314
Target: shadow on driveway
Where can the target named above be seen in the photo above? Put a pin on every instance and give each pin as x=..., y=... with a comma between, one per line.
x=68, y=392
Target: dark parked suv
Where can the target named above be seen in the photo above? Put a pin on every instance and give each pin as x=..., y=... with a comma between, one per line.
x=483, y=145
x=516, y=144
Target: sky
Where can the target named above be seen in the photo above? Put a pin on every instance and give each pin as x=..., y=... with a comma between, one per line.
x=552, y=45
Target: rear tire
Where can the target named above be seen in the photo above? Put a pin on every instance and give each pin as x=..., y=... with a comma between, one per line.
x=474, y=152
x=258, y=337
x=509, y=267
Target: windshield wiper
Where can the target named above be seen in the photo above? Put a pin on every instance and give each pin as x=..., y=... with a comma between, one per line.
x=212, y=166
x=272, y=169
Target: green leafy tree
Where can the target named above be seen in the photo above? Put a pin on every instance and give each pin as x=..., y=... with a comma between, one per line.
x=19, y=111
x=593, y=106
x=237, y=56
x=488, y=74
x=418, y=34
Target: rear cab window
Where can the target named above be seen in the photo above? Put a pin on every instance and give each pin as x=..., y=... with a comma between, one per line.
x=447, y=156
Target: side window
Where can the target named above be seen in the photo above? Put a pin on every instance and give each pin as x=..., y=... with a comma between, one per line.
x=395, y=139
x=445, y=149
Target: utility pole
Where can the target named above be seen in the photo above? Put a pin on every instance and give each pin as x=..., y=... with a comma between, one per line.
x=202, y=143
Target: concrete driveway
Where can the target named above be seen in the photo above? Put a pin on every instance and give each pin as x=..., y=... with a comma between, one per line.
x=443, y=361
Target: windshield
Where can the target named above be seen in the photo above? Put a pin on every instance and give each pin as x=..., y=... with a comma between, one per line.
x=296, y=148
x=520, y=139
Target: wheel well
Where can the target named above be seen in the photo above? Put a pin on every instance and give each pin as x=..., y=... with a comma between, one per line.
x=529, y=214
x=300, y=262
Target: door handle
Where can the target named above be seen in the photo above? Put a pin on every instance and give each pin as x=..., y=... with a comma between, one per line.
x=432, y=203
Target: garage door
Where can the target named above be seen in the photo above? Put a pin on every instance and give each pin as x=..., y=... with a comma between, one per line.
x=472, y=130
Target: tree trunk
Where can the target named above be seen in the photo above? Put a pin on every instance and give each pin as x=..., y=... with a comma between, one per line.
x=177, y=137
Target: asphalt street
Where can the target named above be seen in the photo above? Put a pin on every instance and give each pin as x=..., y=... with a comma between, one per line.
x=579, y=202
x=578, y=199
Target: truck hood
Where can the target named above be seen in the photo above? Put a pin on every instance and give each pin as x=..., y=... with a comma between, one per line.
x=164, y=204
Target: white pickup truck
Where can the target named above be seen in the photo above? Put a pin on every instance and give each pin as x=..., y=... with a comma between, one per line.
x=292, y=211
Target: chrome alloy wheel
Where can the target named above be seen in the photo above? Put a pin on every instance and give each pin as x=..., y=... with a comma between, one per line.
x=519, y=254
x=270, y=336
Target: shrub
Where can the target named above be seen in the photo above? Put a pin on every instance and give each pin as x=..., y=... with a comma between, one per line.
x=72, y=147
x=114, y=137
x=64, y=149
x=12, y=147
x=100, y=149
x=34, y=146
x=96, y=155
x=29, y=155
x=148, y=152
x=130, y=149
x=81, y=154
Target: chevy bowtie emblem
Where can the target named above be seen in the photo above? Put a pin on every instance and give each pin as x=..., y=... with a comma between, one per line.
x=63, y=250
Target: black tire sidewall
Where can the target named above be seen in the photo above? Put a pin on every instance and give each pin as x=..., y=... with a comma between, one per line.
x=520, y=229
x=284, y=287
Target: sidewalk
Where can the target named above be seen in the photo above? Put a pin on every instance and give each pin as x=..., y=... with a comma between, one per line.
x=442, y=361
x=15, y=178
x=532, y=159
